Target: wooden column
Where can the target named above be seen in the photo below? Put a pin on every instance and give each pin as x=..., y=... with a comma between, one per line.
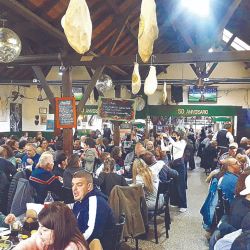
x=67, y=92
x=147, y=128
x=116, y=131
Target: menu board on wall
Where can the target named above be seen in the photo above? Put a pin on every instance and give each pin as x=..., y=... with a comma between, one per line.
x=116, y=109
x=65, y=112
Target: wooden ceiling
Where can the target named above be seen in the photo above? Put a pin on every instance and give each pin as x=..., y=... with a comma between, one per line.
x=115, y=29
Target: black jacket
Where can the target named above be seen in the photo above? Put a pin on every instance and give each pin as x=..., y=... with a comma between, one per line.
x=107, y=181
x=13, y=185
x=8, y=168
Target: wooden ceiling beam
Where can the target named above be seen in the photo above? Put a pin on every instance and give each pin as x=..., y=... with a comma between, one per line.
x=214, y=65
x=161, y=59
x=89, y=89
x=41, y=77
x=232, y=8
x=117, y=11
x=18, y=8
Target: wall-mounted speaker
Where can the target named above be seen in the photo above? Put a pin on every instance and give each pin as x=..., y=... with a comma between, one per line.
x=176, y=94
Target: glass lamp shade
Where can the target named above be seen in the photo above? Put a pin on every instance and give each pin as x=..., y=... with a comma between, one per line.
x=10, y=45
x=104, y=83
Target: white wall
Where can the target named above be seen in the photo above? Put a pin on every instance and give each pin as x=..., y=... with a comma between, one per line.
x=232, y=95
x=237, y=95
x=30, y=107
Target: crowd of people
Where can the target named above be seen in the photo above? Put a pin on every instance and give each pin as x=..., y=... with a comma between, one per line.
x=86, y=178
x=227, y=165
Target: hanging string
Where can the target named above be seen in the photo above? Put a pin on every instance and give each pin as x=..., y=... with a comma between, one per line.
x=136, y=58
x=3, y=21
x=152, y=60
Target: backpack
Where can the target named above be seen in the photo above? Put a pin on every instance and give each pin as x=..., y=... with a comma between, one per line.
x=24, y=194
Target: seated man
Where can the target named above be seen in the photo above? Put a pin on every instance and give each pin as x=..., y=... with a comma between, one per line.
x=228, y=182
x=43, y=181
x=30, y=157
x=91, y=209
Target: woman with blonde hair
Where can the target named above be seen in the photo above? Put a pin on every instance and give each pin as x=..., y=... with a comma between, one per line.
x=143, y=175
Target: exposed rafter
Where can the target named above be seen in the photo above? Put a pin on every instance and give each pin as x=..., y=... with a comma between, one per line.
x=115, y=8
x=232, y=8
x=159, y=59
x=18, y=8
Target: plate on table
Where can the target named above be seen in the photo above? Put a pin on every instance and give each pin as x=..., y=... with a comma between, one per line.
x=5, y=245
x=4, y=231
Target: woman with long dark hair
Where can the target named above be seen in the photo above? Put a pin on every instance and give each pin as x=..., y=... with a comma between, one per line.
x=58, y=230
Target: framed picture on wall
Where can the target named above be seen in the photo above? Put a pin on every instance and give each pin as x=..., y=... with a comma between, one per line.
x=42, y=110
x=15, y=117
x=43, y=119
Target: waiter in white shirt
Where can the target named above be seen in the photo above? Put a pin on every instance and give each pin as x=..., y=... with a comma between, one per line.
x=178, y=196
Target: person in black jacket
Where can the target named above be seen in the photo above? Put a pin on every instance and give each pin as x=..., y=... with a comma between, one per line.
x=108, y=179
x=7, y=171
x=60, y=164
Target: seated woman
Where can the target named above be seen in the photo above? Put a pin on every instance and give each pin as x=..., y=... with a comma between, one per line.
x=108, y=179
x=43, y=181
x=103, y=157
x=58, y=230
x=142, y=174
x=73, y=165
x=116, y=154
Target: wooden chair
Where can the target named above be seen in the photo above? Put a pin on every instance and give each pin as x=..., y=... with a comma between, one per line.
x=95, y=244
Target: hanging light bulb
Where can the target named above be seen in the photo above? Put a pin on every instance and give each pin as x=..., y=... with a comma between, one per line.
x=10, y=45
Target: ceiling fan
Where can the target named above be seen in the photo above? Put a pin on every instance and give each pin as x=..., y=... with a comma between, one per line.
x=15, y=94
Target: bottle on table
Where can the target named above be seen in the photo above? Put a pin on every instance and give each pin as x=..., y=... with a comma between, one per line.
x=49, y=199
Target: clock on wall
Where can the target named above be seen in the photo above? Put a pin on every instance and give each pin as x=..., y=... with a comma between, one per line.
x=140, y=103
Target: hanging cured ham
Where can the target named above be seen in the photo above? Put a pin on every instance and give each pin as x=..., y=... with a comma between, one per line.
x=136, y=79
x=148, y=29
x=165, y=94
x=77, y=26
x=151, y=83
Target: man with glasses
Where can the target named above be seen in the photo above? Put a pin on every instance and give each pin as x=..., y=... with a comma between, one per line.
x=91, y=208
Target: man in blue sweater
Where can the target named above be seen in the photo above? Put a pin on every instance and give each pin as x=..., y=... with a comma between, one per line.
x=91, y=209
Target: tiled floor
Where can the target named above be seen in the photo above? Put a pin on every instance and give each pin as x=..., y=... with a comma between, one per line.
x=186, y=231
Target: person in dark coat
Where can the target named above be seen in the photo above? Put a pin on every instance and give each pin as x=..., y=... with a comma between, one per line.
x=106, y=132
x=73, y=165
x=210, y=156
x=93, y=213
x=108, y=179
x=60, y=164
x=7, y=171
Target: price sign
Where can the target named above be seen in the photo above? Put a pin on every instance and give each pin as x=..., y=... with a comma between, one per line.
x=65, y=112
x=116, y=109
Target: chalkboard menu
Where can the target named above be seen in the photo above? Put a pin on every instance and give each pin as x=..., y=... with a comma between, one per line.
x=116, y=109
x=65, y=112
